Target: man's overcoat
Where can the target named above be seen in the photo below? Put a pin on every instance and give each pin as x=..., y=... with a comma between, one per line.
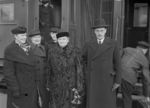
x=41, y=73
x=20, y=76
x=103, y=70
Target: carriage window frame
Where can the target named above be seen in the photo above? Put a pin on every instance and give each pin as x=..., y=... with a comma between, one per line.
x=7, y=15
x=140, y=18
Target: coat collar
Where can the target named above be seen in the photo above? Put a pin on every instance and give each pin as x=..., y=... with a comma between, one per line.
x=15, y=53
x=39, y=51
x=99, y=49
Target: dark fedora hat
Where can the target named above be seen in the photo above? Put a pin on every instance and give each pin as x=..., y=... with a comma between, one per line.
x=19, y=30
x=44, y=1
x=34, y=33
x=99, y=23
x=62, y=34
x=143, y=44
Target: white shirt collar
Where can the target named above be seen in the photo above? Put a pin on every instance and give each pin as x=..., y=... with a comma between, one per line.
x=102, y=40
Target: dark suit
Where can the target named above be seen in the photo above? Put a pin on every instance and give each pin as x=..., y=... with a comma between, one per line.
x=20, y=76
x=103, y=70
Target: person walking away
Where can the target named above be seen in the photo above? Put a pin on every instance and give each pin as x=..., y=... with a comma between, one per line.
x=133, y=62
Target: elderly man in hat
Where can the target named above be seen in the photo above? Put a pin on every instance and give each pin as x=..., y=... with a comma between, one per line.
x=133, y=61
x=102, y=63
x=38, y=50
x=19, y=72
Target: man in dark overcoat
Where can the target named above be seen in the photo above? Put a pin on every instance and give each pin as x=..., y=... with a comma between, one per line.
x=19, y=72
x=39, y=53
x=102, y=60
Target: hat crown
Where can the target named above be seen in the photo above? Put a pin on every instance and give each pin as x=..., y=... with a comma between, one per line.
x=19, y=30
x=34, y=33
x=62, y=34
x=143, y=44
x=54, y=29
x=98, y=23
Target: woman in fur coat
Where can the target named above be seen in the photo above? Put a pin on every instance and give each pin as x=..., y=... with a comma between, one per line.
x=66, y=76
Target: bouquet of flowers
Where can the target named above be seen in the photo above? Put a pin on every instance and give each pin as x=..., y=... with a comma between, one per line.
x=145, y=102
x=76, y=97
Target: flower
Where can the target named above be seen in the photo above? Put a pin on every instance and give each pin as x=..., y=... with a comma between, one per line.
x=77, y=97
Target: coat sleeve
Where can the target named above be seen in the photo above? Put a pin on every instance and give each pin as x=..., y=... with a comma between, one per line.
x=117, y=64
x=10, y=77
x=85, y=55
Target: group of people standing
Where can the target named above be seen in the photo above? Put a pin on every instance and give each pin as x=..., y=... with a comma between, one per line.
x=42, y=76
x=58, y=75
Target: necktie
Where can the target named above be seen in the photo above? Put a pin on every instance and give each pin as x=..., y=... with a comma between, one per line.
x=99, y=41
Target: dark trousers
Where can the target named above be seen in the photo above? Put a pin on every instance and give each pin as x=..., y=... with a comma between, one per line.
x=127, y=90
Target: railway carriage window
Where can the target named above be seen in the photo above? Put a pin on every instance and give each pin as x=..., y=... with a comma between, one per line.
x=140, y=14
x=6, y=13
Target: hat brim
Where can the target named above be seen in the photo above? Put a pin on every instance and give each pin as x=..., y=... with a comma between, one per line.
x=103, y=26
x=32, y=35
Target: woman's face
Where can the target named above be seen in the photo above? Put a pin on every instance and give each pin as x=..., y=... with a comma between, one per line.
x=36, y=39
x=21, y=38
x=63, y=41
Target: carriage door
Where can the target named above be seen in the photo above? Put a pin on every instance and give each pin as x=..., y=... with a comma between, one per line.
x=136, y=22
x=32, y=15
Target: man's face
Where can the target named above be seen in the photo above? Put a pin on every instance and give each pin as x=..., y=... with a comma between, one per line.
x=21, y=38
x=53, y=36
x=144, y=50
x=36, y=39
x=100, y=32
x=63, y=41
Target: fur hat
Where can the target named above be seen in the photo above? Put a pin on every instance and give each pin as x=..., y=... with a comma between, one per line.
x=19, y=30
x=62, y=34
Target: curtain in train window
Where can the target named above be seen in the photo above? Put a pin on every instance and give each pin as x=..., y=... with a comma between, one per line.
x=6, y=13
x=140, y=14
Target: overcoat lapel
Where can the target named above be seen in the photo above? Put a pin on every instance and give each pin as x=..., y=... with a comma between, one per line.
x=94, y=46
x=39, y=51
x=102, y=48
x=17, y=54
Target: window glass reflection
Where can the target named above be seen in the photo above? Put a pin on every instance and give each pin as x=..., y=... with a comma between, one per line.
x=140, y=14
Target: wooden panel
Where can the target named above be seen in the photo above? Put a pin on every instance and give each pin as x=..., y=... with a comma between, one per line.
x=107, y=14
x=65, y=15
x=33, y=15
x=20, y=19
x=118, y=21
